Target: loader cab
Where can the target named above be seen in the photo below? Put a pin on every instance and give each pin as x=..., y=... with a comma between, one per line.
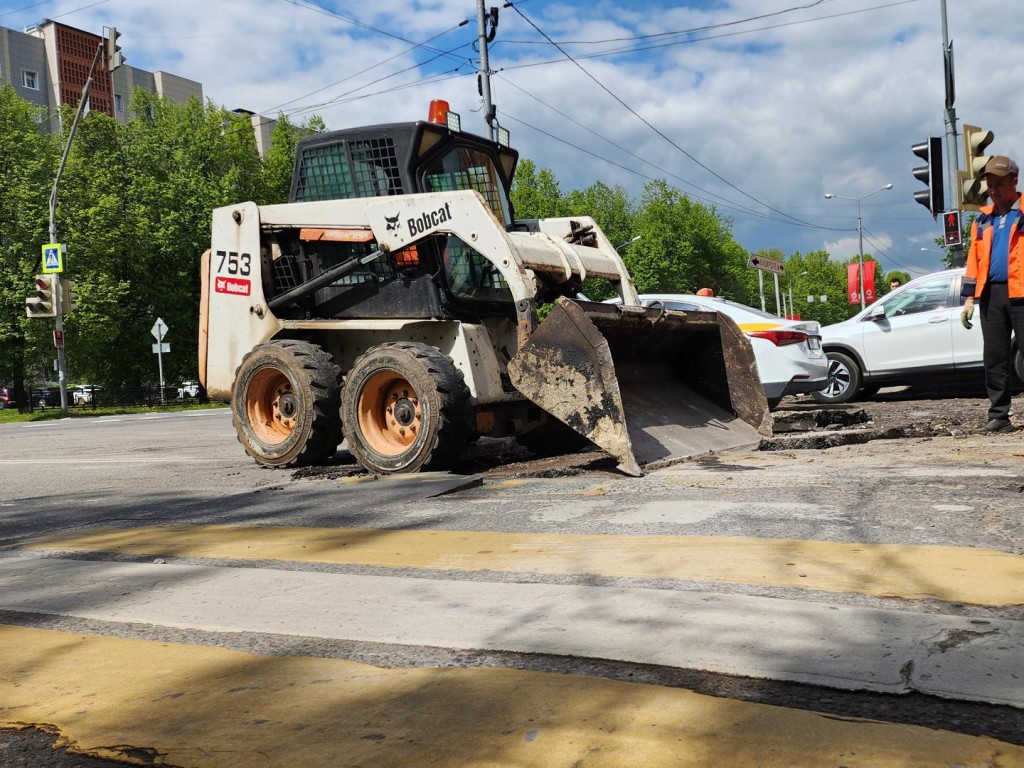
x=408, y=158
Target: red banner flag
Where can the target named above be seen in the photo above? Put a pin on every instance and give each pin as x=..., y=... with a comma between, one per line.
x=869, y=282
x=853, y=284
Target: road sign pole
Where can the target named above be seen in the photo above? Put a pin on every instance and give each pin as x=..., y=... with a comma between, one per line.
x=159, y=330
x=760, y=285
x=160, y=363
x=777, y=304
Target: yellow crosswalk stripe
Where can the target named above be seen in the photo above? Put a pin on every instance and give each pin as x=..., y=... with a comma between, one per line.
x=210, y=707
x=953, y=574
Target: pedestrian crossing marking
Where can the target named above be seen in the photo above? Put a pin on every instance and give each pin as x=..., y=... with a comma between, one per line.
x=953, y=574
x=212, y=707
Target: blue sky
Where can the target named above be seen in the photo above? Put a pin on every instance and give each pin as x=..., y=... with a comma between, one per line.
x=757, y=106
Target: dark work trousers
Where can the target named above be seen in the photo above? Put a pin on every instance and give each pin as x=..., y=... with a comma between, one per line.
x=999, y=316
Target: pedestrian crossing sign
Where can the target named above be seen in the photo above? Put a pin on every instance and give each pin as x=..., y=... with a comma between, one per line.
x=53, y=258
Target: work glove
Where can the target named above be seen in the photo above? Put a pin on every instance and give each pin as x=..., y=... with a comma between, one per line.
x=967, y=313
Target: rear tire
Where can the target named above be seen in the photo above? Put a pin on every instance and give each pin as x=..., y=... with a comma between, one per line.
x=844, y=379
x=405, y=407
x=1018, y=364
x=285, y=404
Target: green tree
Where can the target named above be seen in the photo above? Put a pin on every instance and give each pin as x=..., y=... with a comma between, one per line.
x=136, y=208
x=280, y=158
x=535, y=194
x=816, y=274
x=28, y=156
x=684, y=246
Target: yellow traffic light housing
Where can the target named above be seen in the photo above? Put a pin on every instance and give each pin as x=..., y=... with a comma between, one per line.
x=114, y=56
x=68, y=297
x=40, y=304
x=972, y=191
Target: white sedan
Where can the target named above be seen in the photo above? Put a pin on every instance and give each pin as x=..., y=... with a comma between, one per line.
x=789, y=357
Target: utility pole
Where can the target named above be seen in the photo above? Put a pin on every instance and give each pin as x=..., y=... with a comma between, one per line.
x=114, y=60
x=485, y=36
x=952, y=161
x=57, y=299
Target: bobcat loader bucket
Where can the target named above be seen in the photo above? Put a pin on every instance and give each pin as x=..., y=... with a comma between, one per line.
x=646, y=385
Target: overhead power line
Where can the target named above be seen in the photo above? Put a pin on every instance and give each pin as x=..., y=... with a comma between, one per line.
x=646, y=122
x=690, y=41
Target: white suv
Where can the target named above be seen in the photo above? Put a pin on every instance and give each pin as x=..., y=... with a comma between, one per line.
x=911, y=336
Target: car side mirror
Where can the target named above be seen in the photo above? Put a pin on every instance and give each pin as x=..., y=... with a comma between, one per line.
x=877, y=313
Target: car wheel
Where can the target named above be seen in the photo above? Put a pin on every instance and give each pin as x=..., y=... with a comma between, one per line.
x=1018, y=364
x=843, y=380
x=405, y=407
x=285, y=404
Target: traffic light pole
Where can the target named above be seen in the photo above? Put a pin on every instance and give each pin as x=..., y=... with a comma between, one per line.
x=57, y=299
x=952, y=158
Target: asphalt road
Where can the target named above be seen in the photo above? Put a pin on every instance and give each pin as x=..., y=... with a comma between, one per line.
x=469, y=619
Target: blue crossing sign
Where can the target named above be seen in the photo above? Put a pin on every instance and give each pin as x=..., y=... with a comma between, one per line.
x=53, y=258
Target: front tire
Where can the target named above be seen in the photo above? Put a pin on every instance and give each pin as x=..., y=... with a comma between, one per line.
x=285, y=404
x=405, y=407
x=844, y=379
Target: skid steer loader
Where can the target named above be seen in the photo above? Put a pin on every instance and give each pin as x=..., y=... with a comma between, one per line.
x=394, y=303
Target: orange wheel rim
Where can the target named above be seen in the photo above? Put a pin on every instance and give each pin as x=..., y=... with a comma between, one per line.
x=271, y=406
x=389, y=413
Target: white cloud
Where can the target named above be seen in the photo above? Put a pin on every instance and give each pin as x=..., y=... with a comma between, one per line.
x=803, y=106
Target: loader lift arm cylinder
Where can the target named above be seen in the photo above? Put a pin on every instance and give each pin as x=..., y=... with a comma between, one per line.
x=325, y=278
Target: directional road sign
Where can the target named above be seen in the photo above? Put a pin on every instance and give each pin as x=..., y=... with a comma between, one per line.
x=766, y=264
x=159, y=329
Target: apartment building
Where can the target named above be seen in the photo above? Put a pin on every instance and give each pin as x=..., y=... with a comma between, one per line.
x=48, y=64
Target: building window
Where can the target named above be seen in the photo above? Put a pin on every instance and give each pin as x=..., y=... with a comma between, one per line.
x=118, y=102
x=30, y=79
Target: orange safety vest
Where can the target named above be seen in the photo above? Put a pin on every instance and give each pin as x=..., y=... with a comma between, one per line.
x=980, y=253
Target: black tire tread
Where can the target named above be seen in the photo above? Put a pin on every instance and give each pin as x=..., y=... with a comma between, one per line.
x=323, y=378
x=454, y=412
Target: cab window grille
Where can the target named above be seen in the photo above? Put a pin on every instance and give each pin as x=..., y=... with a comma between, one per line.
x=349, y=169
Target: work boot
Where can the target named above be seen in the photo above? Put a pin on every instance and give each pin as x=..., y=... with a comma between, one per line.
x=994, y=426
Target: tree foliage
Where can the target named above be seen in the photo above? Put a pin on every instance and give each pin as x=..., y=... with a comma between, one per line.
x=134, y=209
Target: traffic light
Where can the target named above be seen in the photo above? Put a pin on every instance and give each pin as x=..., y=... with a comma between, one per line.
x=952, y=232
x=41, y=303
x=972, y=192
x=114, y=56
x=931, y=174
x=68, y=296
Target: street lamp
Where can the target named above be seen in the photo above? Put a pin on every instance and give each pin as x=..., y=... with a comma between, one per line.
x=627, y=243
x=860, y=231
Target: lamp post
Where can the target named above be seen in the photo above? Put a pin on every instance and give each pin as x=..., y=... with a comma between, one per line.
x=860, y=231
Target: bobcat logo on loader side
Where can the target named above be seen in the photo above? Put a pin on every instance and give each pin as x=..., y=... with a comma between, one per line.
x=394, y=222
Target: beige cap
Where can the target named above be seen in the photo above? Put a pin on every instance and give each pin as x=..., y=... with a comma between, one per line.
x=1000, y=165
